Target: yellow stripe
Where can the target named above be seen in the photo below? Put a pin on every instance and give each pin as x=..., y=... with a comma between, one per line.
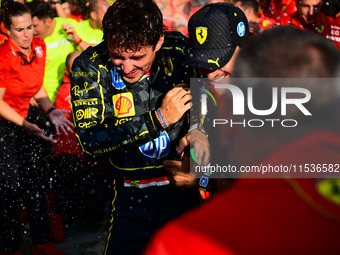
x=152, y=119
x=111, y=221
x=143, y=133
x=81, y=145
x=102, y=96
x=136, y=168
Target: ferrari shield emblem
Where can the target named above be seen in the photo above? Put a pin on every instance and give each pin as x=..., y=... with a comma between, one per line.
x=168, y=66
x=201, y=34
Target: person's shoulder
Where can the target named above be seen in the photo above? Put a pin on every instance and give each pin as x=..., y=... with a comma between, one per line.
x=4, y=45
x=6, y=54
x=327, y=20
x=37, y=41
x=176, y=42
x=173, y=37
x=61, y=21
x=65, y=20
x=96, y=55
x=84, y=22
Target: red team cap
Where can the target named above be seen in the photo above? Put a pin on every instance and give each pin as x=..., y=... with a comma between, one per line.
x=214, y=32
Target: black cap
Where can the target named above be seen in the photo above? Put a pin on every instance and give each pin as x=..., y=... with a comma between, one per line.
x=214, y=31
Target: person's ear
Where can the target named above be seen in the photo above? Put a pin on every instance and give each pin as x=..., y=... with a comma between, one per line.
x=93, y=16
x=159, y=43
x=48, y=22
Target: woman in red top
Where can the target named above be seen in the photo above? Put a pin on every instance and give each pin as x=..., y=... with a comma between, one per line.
x=22, y=67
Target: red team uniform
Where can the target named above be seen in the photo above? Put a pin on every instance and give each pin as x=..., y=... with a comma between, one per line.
x=21, y=80
x=265, y=22
x=324, y=25
x=264, y=216
x=3, y=34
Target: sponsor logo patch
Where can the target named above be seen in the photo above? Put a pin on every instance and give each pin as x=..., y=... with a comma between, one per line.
x=157, y=148
x=117, y=81
x=39, y=51
x=123, y=105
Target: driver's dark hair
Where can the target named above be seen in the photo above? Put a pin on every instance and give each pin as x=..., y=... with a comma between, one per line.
x=131, y=24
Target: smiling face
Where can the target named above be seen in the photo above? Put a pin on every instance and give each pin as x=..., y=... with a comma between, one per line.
x=132, y=65
x=21, y=31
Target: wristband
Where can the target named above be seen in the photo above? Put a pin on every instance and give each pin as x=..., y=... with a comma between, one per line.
x=78, y=41
x=51, y=109
x=161, y=118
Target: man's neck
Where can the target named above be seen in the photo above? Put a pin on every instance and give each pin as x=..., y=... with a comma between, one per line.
x=50, y=30
x=26, y=51
x=93, y=24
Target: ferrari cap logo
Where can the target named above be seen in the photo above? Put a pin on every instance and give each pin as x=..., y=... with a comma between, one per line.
x=201, y=34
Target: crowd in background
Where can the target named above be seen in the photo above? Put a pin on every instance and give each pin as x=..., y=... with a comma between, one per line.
x=77, y=189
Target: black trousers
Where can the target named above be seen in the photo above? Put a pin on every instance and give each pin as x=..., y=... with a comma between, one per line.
x=81, y=189
x=138, y=213
x=21, y=183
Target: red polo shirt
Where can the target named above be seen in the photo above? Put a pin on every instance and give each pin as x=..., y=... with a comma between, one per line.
x=3, y=34
x=326, y=26
x=21, y=79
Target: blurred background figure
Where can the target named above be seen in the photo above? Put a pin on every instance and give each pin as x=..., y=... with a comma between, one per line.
x=257, y=21
x=66, y=6
x=174, y=20
x=90, y=30
x=21, y=78
x=78, y=9
x=309, y=17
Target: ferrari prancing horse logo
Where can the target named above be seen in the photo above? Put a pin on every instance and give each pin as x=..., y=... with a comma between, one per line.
x=201, y=34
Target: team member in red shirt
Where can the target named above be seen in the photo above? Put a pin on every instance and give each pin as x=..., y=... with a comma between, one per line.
x=309, y=17
x=22, y=66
